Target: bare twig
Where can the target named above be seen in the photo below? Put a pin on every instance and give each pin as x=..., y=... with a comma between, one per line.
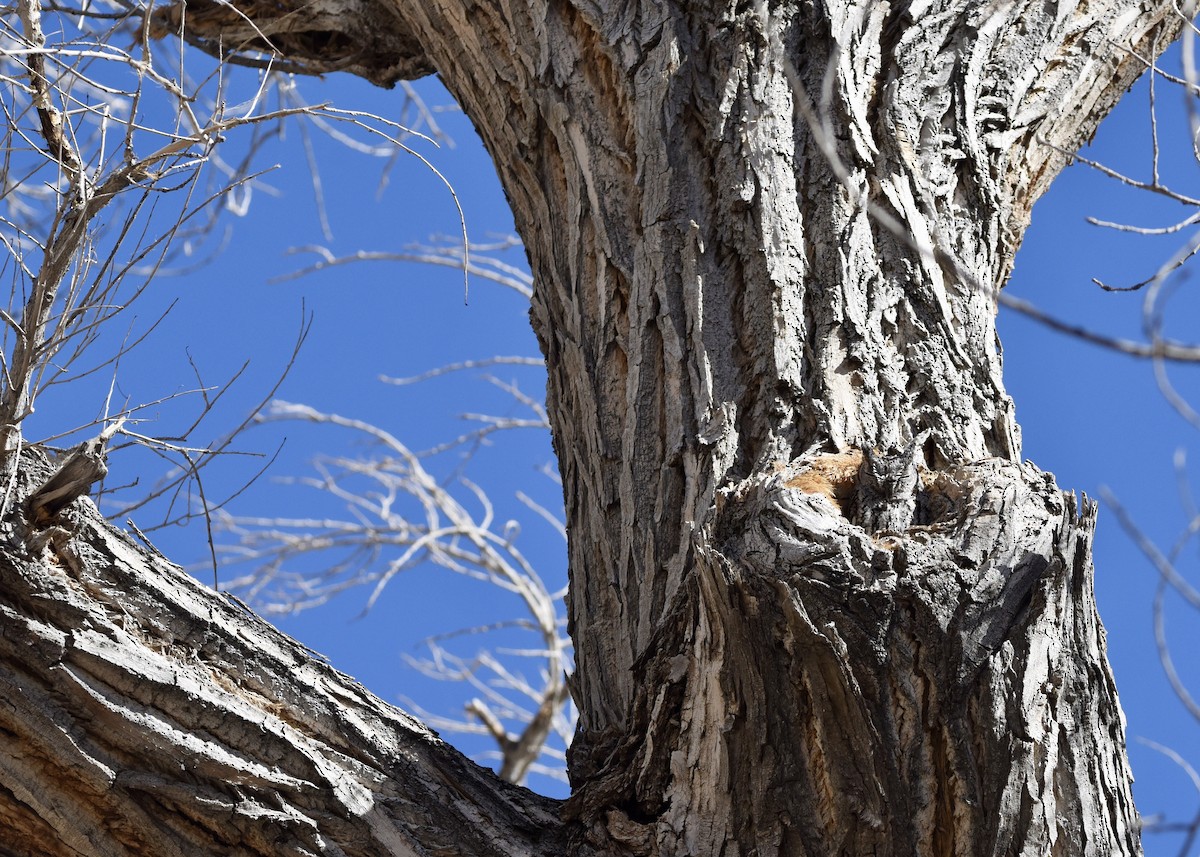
x=379, y=540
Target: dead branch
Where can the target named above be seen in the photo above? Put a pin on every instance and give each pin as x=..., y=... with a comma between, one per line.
x=81, y=468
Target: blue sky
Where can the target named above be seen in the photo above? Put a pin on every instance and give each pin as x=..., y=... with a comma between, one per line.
x=1091, y=417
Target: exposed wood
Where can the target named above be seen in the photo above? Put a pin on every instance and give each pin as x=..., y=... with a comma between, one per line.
x=74, y=475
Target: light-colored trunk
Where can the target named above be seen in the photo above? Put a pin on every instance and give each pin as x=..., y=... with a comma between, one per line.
x=791, y=638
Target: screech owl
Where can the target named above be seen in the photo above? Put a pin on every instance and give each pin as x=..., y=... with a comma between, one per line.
x=887, y=488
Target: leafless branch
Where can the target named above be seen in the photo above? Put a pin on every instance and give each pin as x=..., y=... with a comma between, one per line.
x=400, y=517
x=1191, y=829
x=474, y=259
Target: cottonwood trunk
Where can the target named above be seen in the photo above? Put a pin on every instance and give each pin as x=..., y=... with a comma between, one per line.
x=765, y=239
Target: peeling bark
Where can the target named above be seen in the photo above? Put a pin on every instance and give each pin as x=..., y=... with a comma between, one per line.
x=772, y=659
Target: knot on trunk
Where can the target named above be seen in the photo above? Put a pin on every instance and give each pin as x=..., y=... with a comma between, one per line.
x=795, y=522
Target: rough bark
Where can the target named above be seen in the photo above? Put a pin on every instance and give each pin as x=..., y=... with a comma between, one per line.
x=776, y=655
x=144, y=713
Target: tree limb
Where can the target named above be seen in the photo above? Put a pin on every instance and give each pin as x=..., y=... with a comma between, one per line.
x=134, y=692
x=363, y=38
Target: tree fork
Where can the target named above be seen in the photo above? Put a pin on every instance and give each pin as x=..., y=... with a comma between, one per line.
x=702, y=190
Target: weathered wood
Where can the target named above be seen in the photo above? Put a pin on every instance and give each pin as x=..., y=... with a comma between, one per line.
x=147, y=714
x=718, y=300
x=73, y=477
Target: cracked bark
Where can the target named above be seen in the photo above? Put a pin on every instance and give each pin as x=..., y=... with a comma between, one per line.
x=722, y=317
x=146, y=714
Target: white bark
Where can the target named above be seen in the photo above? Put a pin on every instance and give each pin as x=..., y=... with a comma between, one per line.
x=723, y=317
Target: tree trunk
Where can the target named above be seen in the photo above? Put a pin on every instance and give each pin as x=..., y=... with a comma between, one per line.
x=818, y=604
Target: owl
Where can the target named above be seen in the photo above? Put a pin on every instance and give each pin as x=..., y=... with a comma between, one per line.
x=887, y=488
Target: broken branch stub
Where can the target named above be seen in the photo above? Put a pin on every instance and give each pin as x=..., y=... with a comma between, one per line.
x=83, y=467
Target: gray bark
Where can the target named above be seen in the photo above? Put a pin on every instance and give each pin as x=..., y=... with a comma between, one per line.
x=772, y=657
x=145, y=713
